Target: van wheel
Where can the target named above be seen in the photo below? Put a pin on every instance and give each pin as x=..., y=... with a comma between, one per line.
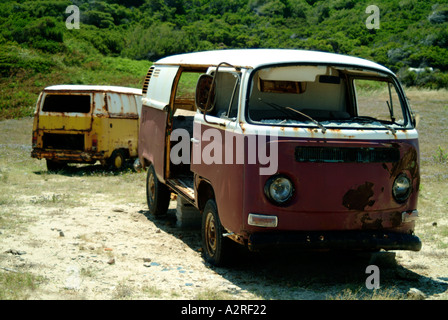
x=53, y=166
x=117, y=160
x=157, y=194
x=215, y=247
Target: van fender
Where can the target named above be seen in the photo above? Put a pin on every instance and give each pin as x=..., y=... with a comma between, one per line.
x=203, y=192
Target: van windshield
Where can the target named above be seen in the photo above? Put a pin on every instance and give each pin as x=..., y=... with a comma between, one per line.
x=66, y=103
x=325, y=96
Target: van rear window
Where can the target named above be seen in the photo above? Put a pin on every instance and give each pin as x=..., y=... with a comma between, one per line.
x=66, y=103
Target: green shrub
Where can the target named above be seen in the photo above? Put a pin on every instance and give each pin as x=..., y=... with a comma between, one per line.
x=441, y=155
x=427, y=79
x=34, y=41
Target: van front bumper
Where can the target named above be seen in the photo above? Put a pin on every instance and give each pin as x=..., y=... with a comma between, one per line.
x=335, y=240
x=67, y=155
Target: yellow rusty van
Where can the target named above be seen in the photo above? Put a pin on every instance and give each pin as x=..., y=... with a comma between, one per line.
x=86, y=124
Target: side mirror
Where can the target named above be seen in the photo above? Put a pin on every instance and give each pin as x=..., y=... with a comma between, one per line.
x=205, y=93
x=416, y=119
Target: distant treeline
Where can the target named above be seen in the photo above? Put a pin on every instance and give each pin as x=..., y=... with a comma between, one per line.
x=412, y=33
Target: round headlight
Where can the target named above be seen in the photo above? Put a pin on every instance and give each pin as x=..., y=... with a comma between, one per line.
x=401, y=188
x=279, y=189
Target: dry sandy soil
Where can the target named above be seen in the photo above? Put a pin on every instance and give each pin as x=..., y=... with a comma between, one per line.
x=110, y=251
x=88, y=234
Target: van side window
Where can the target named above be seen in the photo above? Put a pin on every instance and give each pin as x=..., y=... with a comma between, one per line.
x=379, y=100
x=121, y=105
x=66, y=103
x=186, y=91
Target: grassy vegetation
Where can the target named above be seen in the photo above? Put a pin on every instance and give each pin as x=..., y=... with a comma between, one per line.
x=209, y=294
x=117, y=39
x=20, y=91
x=433, y=109
x=17, y=285
x=363, y=294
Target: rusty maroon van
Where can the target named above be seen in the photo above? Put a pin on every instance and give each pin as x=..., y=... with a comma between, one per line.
x=282, y=148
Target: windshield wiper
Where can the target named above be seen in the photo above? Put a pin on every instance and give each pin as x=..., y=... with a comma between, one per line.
x=391, y=104
x=372, y=119
x=281, y=108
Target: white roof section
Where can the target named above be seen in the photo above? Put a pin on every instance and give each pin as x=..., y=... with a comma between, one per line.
x=91, y=88
x=254, y=58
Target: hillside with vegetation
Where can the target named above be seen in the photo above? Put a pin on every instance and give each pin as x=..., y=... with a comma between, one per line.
x=117, y=39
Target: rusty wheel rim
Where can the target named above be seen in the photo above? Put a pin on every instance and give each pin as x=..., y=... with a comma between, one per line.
x=210, y=234
x=118, y=162
x=151, y=188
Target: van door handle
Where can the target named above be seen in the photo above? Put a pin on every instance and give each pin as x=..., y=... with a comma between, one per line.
x=194, y=140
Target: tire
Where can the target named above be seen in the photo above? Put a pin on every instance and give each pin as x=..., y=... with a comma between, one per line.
x=215, y=247
x=117, y=160
x=54, y=166
x=157, y=194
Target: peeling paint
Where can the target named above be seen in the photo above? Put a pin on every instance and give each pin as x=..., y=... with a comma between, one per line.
x=407, y=162
x=359, y=198
x=369, y=223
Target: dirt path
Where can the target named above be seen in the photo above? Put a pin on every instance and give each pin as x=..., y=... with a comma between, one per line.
x=109, y=251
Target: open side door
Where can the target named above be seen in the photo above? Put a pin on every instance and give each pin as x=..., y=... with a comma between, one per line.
x=153, y=124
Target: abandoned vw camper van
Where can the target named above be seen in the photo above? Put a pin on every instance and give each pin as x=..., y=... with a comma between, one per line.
x=282, y=148
x=86, y=124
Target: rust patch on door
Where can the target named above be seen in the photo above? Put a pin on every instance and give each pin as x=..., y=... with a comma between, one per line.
x=395, y=219
x=359, y=198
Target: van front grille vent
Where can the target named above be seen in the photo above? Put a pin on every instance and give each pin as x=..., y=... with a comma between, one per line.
x=346, y=154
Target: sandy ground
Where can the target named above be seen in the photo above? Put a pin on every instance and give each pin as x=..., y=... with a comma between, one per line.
x=109, y=251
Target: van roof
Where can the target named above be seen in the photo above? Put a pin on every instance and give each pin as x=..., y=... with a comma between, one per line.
x=254, y=58
x=90, y=88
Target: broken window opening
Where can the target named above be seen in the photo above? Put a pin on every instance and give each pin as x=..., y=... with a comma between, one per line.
x=67, y=103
